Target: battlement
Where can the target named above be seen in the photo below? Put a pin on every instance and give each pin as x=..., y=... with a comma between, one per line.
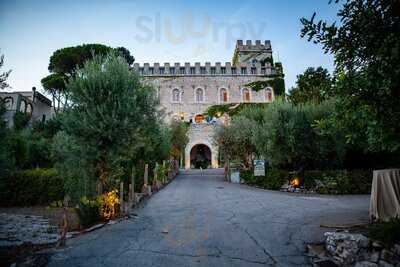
x=256, y=46
x=197, y=69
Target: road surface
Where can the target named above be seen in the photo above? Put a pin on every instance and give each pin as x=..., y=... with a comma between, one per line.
x=204, y=221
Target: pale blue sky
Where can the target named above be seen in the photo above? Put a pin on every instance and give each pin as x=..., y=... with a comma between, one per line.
x=156, y=31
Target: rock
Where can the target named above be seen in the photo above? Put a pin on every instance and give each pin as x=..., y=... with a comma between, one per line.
x=396, y=249
x=316, y=251
x=324, y=263
x=387, y=255
x=377, y=244
x=365, y=264
x=345, y=247
x=382, y=263
x=373, y=256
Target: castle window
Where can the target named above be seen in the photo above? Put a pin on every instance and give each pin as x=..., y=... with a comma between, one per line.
x=243, y=71
x=212, y=70
x=199, y=95
x=182, y=70
x=268, y=95
x=151, y=70
x=161, y=70
x=141, y=71
x=233, y=70
x=253, y=71
x=29, y=109
x=22, y=106
x=192, y=70
x=176, y=96
x=246, y=95
x=172, y=71
x=263, y=71
x=223, y=70
x=223, y=95
x=202, y=70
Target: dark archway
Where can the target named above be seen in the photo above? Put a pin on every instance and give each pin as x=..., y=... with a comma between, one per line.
x=200, y=156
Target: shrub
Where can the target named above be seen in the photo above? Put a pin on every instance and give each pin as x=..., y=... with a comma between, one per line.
x=31, y=187
x=339, y=181
x=273, y=179
x=386, y=232
x=88, y=212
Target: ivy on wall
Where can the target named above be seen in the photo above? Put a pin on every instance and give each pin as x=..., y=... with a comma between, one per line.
x=275, y=81
x=231, y=109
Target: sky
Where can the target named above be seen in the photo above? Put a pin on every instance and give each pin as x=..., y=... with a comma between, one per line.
x=157, y=31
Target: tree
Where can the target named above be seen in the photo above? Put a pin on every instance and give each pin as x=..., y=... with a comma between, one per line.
x=123, y=52
x=110, y=115
x=64, y=64
x=179, y=137
x=314, y=85
x=366, y=47
x=4, y=75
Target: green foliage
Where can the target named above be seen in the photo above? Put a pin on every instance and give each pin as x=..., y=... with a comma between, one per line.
x=179, y=137
x=21, y=120
x=338, y=181
x=235, y=139
x=231, y=109
x=287, y=137
x=88, y=212
x=124, y=53
x=3, y=75
x=386, y=232
x=31, y=187
x=366, y=45
x=17, y=148
x=276, y=81
x=273, y=179
x=114, y=120
x=314, y=85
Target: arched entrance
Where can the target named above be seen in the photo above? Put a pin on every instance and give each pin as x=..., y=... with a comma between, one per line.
x=200, y=156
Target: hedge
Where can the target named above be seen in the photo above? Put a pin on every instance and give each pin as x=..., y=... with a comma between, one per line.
x=31, y=187
x=273, y=180
x=323, y=182
x=339, y=181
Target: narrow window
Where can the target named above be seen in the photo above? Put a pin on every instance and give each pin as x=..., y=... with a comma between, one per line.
x=161, y=70
x=172, y=71
x=212, y=70
x=243, y=71
x=175, y=95
x=199, y=95
x=182, y=70
x=151, y=70
x=192, y=70
x=223, y=70
x=223, y=95
x=246, y=95
x=268, y=95
x=233, y=70
x=203, y=70
x=253, y=71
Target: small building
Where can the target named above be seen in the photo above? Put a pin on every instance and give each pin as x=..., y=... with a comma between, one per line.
x=33, y=103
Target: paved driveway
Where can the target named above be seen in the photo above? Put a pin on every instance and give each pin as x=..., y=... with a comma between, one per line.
x=204, y=221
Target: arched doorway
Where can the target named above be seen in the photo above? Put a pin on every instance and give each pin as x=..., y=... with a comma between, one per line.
x=200, y=156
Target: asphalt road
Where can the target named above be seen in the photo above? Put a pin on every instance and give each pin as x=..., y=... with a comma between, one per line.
x=203, y=221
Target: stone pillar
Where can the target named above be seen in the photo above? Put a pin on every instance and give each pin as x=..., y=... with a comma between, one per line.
x=121, y=197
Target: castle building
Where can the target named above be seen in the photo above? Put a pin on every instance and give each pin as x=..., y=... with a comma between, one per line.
x=186, y=91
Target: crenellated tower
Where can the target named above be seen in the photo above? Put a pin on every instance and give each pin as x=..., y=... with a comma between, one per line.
x=253, y=53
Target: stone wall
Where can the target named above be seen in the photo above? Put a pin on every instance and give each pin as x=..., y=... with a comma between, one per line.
x=188, y=107
x=202, y=134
